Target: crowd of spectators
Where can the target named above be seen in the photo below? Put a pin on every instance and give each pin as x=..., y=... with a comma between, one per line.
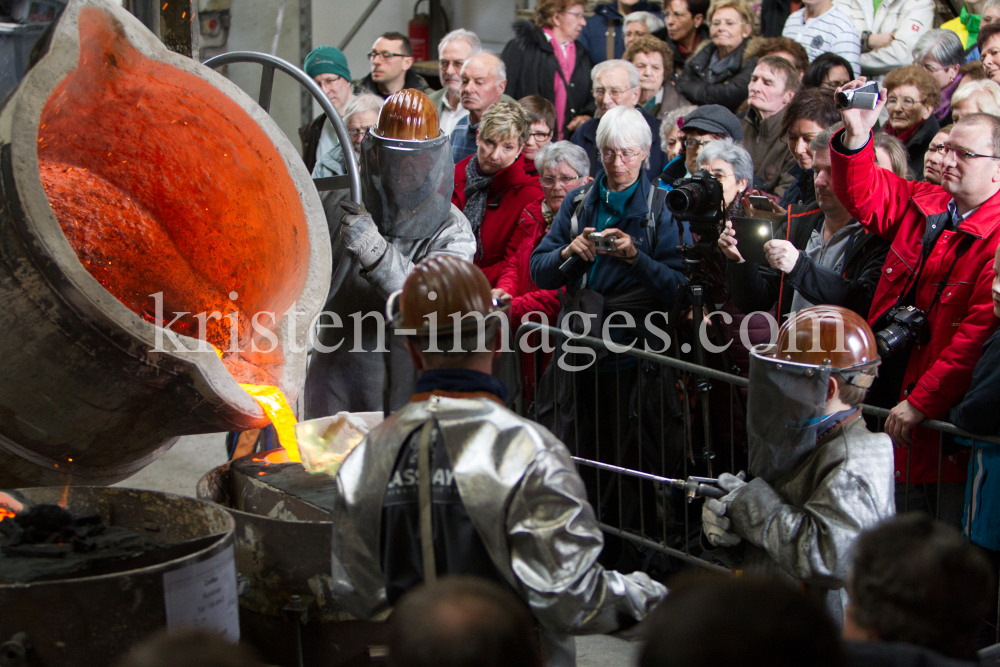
x=591, y=114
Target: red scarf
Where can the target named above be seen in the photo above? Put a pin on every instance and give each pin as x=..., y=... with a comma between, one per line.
x=906, y=134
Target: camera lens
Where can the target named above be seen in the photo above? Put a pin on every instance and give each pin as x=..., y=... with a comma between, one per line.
x=843, y=101
x=892, y=339
x=688, y=197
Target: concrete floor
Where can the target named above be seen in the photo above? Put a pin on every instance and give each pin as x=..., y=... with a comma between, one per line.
x=179, y=470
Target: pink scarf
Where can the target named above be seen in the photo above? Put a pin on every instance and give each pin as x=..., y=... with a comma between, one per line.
x=566, y=60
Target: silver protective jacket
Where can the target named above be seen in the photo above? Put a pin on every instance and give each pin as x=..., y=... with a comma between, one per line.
x=351, y=376
x=803, y=526
x=523, y=495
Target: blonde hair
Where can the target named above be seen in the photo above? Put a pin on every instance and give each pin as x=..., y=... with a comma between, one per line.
x=986, y=91
x=898, y=156
x=505, y=120
x=742, y=7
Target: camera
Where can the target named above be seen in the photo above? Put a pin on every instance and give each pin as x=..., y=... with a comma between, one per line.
x=906, y=324
x=605, y=243
x=865, y=97
x=698, y=199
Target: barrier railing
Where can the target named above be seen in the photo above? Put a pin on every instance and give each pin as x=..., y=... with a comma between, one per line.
x=669, y=537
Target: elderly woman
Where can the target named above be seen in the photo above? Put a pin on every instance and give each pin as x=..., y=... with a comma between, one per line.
x=718, y=73
x=934, y=159
x=940, y=52
x=655, y=62
x=912, y=97
x=811, y=111
x=546, y=58
x=563, y=167
x=360, y=114
x=542, y=117
x=492, y=188
x=671, y=137
x=975, y=97
x=989, y=50
x=641, y=24
x=640, y=270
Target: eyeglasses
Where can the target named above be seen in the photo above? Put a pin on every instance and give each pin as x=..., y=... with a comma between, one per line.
x=728, y=24
x=614, y=92
x=933, y=68
x=628, y=156
x=579, y=15
x=549, y=181
x=445, y=64
x=695, y=144
x=960, y=153
x=385, y=55
x=360, y=132
x=541, y=137
x=906, y=102
x=833, y=85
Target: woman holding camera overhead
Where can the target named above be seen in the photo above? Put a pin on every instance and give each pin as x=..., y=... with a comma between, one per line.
x=613, y=246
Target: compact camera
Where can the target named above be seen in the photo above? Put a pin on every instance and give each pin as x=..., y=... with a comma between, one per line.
x=906, y=325
x=605, y=243
x=865, y=97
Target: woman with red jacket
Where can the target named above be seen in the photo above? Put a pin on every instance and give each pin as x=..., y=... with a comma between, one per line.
x=562, y=167
x=492, y=188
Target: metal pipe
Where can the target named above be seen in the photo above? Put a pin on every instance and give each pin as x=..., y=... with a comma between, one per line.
x=357, y=26
x=267, y=60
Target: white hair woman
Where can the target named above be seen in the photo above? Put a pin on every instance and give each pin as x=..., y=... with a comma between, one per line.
x=360, y=115
x=641, y=24
x=941, y=53
x=730, y=164
x=975, y=97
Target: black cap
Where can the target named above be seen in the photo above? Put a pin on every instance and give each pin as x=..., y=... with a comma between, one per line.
x=714, y=119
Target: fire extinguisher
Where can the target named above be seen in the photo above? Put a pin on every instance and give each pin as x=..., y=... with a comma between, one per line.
x=419, y=31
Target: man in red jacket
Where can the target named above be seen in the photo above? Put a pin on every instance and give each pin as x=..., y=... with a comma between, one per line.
x=940, y=262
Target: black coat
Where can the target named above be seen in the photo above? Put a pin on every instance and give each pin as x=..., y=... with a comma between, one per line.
x=532, y=66
x=727, y=86
x=586, y=138
x=679, y=60
x=756, y=286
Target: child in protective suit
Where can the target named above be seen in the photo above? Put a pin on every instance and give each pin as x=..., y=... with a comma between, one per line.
x=819, y=476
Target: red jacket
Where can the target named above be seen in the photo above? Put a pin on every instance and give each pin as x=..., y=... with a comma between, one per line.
x=511, y=191
x=515, y=279
x=941, y=371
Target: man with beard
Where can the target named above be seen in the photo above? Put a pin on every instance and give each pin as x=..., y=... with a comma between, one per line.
x=407, y=176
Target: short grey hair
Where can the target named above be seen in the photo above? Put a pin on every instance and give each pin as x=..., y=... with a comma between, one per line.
x=670, y=121
x=731, y=152
x=987, y=92
x=361, y=103
x=822, y=140
x=943, y=47
x=622, y=127
x=501, y=69
x=600, y=68
x=551, y=155
x=652, y=21
x=463, y=34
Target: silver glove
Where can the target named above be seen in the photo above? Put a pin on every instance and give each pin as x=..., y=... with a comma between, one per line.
x=360, y=235
x=716, y=526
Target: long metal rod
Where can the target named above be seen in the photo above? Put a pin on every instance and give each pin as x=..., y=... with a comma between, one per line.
x=267, y=60
x=357, y=26
x=656, y=546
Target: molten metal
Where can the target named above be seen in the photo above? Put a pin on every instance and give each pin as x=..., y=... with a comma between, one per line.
x=272, y=401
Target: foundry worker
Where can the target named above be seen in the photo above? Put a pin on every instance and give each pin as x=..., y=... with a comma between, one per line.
x=505, y=501
x=820, y=477
x=407, y=176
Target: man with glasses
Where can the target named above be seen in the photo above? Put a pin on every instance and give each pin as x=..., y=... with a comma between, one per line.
x=941, y=263
x=328, y=68
x=454, y=49
x=391, y=58
x=705, y=124
x=617, y=83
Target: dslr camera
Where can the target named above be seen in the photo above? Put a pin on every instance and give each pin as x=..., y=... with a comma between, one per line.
x=865, y=97
x=906, y=325
x=698, y=199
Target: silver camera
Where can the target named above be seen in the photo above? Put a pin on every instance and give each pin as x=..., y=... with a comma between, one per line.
x=605, y=243
x=865, y=97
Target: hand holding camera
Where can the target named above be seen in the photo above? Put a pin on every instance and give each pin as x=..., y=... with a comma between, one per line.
x=615, y=243
x=858, y=111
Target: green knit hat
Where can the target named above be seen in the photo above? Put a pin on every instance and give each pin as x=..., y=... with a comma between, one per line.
x=327, y=60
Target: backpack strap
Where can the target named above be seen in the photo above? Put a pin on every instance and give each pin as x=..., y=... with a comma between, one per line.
x=655, y=200
x=574, y=220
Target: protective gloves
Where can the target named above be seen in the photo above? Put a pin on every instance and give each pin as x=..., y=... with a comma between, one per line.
x=360, y=236
x=718, y=528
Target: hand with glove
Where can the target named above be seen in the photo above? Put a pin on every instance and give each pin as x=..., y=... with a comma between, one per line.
x=360, y=235
x=715, y=524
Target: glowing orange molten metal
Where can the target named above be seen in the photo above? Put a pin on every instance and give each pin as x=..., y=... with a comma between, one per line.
x=163, y=184
x=272, y=401
x=6, y=514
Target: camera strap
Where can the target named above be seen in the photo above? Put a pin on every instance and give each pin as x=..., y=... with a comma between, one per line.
x=909, y=293
x=655, y=201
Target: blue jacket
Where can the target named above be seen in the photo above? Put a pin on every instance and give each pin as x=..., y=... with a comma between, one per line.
x=594, y=35
x=660, y=273
x=586, y=138
x=978, y=413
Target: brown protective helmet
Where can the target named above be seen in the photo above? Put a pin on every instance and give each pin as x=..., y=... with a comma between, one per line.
x=443, y=285
x=408, y=114
x=830, y=336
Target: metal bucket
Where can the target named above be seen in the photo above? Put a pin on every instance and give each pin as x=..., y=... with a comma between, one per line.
x=91, y=621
